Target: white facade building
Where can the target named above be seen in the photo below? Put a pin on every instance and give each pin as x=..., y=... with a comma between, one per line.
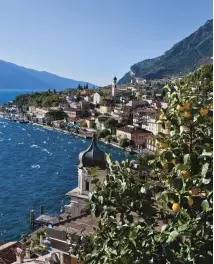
x=97, y=98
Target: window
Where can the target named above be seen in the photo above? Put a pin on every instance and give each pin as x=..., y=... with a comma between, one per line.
x=87, y=185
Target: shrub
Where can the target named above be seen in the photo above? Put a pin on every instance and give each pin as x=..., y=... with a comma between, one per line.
x=40, y=250
x=111, y=124
x=40, y=232
x=103, y=133
x=124, y=142
x=36, y=240
x=109, y=138
x=24, y=237
x=83, y=124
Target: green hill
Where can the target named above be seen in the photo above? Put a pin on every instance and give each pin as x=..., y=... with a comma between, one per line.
x=184, y=57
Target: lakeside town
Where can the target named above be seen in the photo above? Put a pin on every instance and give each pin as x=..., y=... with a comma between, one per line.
x=106, y=132
x=126, y=116
x=137, y=116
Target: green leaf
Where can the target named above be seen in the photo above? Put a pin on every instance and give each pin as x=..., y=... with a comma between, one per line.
x=100, y=198
x=179, y=121
x=186, y=159
x=114, y=251
x=206, y=154
x=168, y=155
x=143, y=190
x=164, y=196
x=94, y=181
x=133, y=241
x=132, y=234
x=130, y=218
x=163, y=228
x=206, y=181
x=172, y=236
x=173, y=197
x=205, y=169
x=177, y=184
x=205, y=206
x=124, y=260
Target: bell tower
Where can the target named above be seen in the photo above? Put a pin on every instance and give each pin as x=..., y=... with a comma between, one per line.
x=114, y=87
x=93, y=157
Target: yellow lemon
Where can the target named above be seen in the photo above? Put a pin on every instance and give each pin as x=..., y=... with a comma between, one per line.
x=165, y=165
x=204, y=111
x=187, y=114
x=179, y=108
x=194, y=191
x=176, y=207
x=186, y=174
x=187, y=106
x=204, y=194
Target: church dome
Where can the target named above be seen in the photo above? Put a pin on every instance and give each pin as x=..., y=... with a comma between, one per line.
x=93, y=156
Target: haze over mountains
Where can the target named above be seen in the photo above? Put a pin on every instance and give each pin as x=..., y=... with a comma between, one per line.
x=14, y=77
x=184, y=57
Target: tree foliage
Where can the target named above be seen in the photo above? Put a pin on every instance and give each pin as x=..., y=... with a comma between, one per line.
x=124, y=142
x=111, y=124
x=168, y=217
x=39, y=99
x=55, y=115
x=108, y=138
x=104, y=133
x=80, y=87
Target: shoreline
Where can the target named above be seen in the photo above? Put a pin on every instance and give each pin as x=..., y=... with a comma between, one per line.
x=126, y=150
x=78, y=135
x=81, y=136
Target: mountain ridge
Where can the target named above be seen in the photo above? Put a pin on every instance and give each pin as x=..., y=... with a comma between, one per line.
x=15, y=77
x=185, y=56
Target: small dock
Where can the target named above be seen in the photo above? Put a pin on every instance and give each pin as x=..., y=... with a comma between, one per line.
x=53, y=220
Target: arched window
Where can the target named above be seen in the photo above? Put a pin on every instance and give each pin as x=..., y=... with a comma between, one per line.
x=87, y=185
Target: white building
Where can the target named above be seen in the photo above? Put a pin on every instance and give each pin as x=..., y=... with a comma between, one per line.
x=141, y=81
x=97, y=98
x=134, y=103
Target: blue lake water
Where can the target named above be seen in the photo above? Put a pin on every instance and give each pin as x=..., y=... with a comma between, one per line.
x=9, y=95
x=37, y=167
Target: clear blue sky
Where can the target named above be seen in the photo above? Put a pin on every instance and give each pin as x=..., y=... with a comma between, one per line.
x=93, y=40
